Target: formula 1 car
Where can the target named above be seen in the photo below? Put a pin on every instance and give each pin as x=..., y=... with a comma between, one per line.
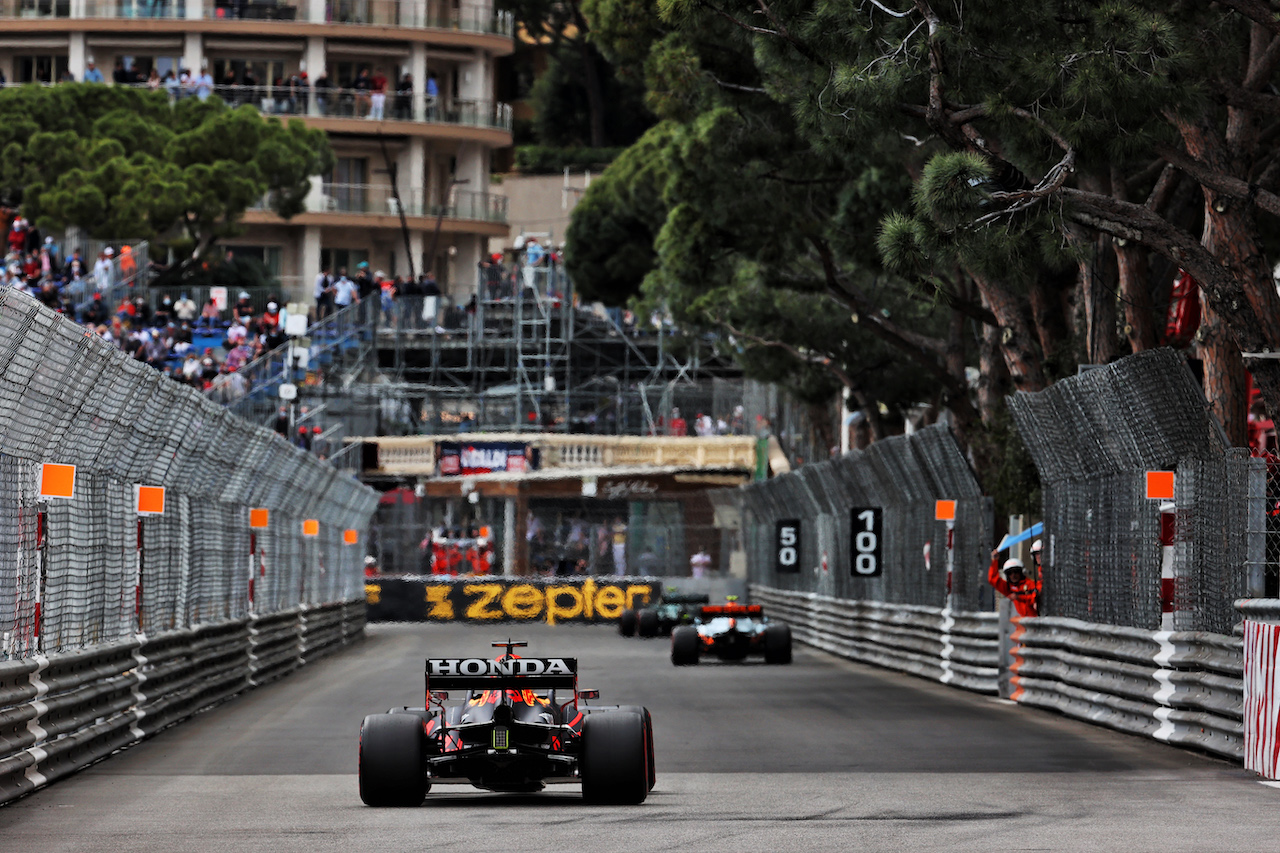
x=673, y=608
x=519, y=728
x=731, y=632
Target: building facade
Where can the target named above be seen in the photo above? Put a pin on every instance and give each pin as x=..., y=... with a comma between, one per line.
x=433, y=126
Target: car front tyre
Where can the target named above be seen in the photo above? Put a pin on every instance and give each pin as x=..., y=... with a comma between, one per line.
x=647, y=623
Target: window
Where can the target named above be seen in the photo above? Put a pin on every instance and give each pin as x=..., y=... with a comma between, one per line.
x=339, y=259
x=39, y=69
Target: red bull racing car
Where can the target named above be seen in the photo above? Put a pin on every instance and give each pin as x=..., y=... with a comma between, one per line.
x=731, y=631
x=520, y=724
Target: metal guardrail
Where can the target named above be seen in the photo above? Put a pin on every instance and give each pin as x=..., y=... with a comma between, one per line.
x=961, y=649
x=1179, y=687
x=63, y=712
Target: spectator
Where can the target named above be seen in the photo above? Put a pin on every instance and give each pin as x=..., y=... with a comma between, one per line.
x=210, y=316
x=323, y=97
x=102, y=269
x=184, y=309
x=404, y=97
x=678, y=424
x=120, y=76
x=202, y=83
x=154, y=82
x=163, y=315
x=363, y=86
x=324, y=293
x=378, y=98
x=128, y=265
x=92, y=74
x=172, y=87
x=433, y=95
x=242, y=312
x=74, y=268
x=388, y=301
x=191, y=369
x=345, y=291
x=95, y=313
x=364, y=281
x=700, y=564
x=17, y=235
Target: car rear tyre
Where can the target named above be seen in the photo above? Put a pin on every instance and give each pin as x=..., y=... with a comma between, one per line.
x=777, y=644
x=684, y=645
x=647, y=623
x=392, y=771
x=648, y=738
x=627, y=623
x=614, y=759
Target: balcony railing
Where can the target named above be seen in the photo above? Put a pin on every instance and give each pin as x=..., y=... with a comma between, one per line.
x=302, y=100
x=414, y=14
x=377, y=199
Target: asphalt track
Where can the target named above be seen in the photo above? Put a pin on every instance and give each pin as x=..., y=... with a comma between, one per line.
x=821, y=755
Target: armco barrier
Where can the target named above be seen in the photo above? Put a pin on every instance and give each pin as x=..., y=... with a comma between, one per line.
x=1179, y=687
x=506, y=599
x=65, y=711
x=953, y=648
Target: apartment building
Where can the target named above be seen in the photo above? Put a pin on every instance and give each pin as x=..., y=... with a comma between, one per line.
x=435, y=137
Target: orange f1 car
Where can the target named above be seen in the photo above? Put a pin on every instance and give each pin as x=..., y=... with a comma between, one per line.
x=731, y=631
x=520, y=727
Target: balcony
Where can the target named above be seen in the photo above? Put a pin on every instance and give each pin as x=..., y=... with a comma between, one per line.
x=399, y=14
x=333, y=103
x=377, y=203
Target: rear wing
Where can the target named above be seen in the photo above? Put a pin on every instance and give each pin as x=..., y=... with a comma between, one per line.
x=733, y=610
x=508, y=673
x=685, y=598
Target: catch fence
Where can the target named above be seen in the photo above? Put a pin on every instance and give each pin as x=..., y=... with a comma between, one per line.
x=900, y=480
x=89, y=570
x=1093, y=438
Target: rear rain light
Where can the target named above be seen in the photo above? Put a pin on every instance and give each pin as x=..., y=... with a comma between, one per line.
x=500, y=740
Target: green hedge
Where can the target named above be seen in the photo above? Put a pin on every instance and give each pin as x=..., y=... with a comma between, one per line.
x=546, y=159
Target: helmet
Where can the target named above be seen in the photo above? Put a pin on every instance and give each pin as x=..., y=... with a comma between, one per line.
x=1037, y=546
x=1015, y=563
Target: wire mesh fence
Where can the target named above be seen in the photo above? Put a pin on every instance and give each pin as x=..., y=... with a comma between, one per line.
x=1093, y=438
x=89, y=569
x=833, y=507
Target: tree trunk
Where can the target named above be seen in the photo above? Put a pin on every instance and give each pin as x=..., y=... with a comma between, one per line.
x=591, y=81
x=1134, y=283
x=1098, y=287
x=1049, y=315
x=1017, y=338
x=993, y=376
x=1224, y=376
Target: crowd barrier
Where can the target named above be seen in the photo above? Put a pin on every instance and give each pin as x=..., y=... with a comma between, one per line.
x=63, y=712
x=507, y=599
x=1180, y=687
x=961, y=649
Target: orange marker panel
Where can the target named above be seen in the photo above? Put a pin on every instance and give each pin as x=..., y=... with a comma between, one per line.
x=1160, y=485
x=311, y=527
x=57, y=481
x=945, y=510
x=351, y=536
x=258, y=518
x=150, y=500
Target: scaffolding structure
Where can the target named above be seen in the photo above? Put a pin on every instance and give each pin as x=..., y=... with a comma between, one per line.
x=521, y=358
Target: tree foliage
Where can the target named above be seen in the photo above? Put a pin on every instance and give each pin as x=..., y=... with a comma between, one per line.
x=1011, y=192
x=123, y=163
